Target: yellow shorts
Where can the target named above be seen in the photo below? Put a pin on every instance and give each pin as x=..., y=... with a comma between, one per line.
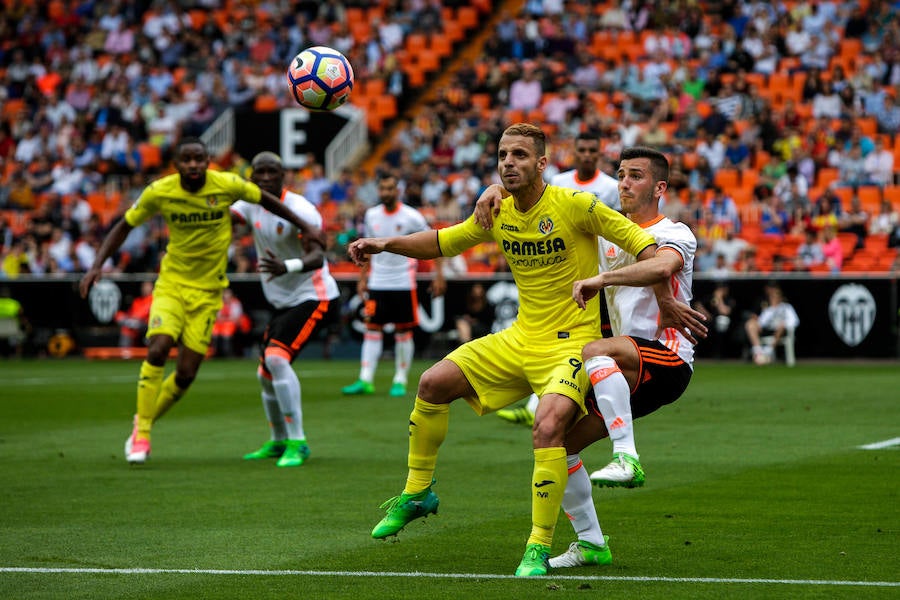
x=505, y=367
x=184, y=313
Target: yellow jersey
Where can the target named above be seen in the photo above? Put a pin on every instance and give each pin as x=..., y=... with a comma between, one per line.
x=199, y=225
x=548, y=248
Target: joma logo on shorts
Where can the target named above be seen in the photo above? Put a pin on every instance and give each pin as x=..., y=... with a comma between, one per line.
x=572, y=385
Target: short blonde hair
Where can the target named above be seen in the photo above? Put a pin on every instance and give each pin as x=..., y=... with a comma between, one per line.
x=530, y=131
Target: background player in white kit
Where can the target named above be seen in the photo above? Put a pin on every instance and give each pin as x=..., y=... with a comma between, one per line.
x=388, y=286
x=638, y=370
x=302, y=291
x=587, y=177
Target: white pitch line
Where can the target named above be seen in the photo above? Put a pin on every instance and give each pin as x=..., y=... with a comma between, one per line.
x=282, y=573
x=879, y=445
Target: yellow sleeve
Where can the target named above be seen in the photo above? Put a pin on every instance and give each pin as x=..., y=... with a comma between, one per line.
x=455, y=239
x=596, y=217
x=244, y=189
x=147, y=205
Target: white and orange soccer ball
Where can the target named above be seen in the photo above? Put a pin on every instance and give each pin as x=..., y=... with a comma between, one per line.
x=320, y=78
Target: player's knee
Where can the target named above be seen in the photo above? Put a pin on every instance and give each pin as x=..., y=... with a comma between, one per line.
x=595, y=348
x=547, y=432
x=183, y=379
x=440, y=384
x=428, y=385
x=276, y=362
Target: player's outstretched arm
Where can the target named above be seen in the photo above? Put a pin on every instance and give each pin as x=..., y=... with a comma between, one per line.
x=422, y=245
x=113, y=240
x=488, y=205
x=311, y=233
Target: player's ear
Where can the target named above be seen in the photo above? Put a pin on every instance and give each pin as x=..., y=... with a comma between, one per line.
x=661, y=187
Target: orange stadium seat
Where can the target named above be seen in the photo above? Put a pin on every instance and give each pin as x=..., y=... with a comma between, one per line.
x=892, y=195
x=453, y=30
x=151, y=155
x=467, y=16
x=870, y=198
x=441, y=45
x=827, y=176
x=727, y=178
x=415, y=43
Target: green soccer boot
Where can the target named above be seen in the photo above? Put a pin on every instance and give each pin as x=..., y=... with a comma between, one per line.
x=624, y=471
x=405, y=508
x=359, y=388
x=520, y=415
x=582, y=554
x=296, y=452
x=535, y=562
x=271, y=449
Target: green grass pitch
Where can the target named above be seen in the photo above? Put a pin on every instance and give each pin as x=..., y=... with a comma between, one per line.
x=756, y=488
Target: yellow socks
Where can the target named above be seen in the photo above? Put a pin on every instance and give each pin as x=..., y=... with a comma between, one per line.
x=547, y=487
x=149, y=382
x=427, y=429
x=169, y=394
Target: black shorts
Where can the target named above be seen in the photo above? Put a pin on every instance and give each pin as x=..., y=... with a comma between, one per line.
x=388, y=306
x=291, y=328
x=662, y=378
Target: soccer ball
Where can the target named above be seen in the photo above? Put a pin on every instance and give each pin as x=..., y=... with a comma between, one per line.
x=320, y=78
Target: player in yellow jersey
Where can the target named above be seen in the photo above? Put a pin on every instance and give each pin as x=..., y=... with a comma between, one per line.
x=195, y=204
x=549, y=238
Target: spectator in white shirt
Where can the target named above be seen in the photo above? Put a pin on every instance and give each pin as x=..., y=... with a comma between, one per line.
x=827, y=103
x=879, y=164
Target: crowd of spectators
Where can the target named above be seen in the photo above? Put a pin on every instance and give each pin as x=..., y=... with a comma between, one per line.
x=781, y=119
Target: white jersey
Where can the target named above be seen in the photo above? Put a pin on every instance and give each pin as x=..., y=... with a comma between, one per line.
x=281, y=237
x=780, y=315
x=604, y=187
x=389, y=271
x=633, y=311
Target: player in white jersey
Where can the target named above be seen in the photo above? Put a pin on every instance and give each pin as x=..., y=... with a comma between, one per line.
x=637, y=370
x=388, y=285
x=302, y=291
x=587, y=176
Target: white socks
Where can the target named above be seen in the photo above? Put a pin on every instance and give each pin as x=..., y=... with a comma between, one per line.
x=578, y=504
x=614, y=401
x=404, y=346
x=287, y=389
x=371, y=352
x=273, y=411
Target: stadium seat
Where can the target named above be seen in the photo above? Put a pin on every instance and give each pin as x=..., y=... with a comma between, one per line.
x=467, y=16
x=870, y=198
x=787, y=342
x=151, y=156
x=892, y=195
x=441, y=45
x=826, y=176
x=727, y=179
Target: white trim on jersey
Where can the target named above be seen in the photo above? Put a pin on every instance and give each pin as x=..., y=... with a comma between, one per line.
x=282, y=238
x=604, y=187
x=633, y=310
x=389, y=271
